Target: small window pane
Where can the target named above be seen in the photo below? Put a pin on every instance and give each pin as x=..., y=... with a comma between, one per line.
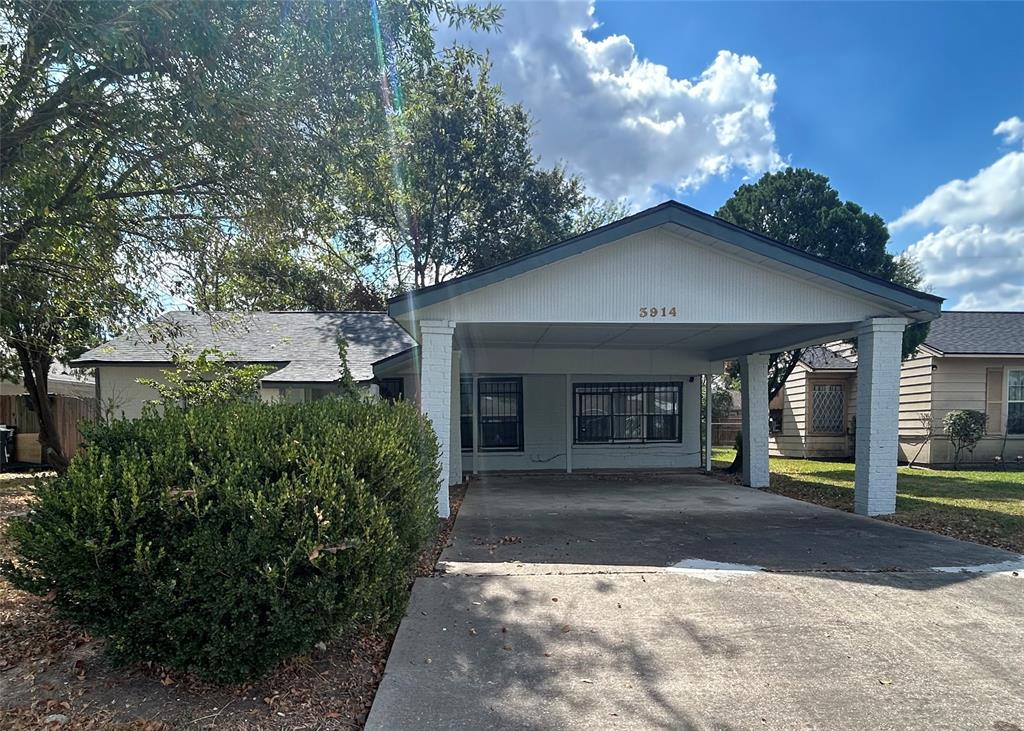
x=1015, y=418
x=466, y=412
x=1016, y=386
x=829, y=409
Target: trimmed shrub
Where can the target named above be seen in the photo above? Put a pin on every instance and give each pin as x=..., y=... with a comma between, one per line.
x=227, y=537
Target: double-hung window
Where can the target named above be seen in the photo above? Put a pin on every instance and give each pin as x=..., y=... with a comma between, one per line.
x=1015, y=402
x=613, y=413
x=828, y=408
x=500, y=414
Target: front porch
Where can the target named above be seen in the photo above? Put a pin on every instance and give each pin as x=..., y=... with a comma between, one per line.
x=595, y=353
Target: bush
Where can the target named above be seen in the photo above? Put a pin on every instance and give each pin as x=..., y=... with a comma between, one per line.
x=225, y=538
x=965, y=428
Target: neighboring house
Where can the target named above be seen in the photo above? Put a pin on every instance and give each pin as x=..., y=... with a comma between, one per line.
x=299, y=348
x=591, y=353
x=72, y=397
x=969, y=360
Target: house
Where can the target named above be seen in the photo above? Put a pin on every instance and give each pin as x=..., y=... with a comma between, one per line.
x=592, y=353
x=969, y=360
x=299, y=348
x=72, y=396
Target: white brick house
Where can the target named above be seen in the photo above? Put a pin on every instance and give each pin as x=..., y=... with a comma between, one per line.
x=592, y=353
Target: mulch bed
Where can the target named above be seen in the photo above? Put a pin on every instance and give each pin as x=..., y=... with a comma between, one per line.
x=55, y=675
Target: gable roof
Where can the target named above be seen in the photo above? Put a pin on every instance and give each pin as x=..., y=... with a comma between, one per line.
x=670, y=212
x=304, y=344
x=977, y=333
x=820, y=358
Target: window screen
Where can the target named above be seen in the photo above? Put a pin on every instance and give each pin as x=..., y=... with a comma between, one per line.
x=609, y=413
x=829, y=410
x=392, y=389
x=466, y=412
x=1015, y=402
x=500, y=413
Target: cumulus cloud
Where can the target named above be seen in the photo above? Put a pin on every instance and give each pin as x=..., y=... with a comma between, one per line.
x=620, y=120
x=1011, y=129
x=976, y=257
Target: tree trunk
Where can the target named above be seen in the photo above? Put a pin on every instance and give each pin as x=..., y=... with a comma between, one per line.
x=35, y=368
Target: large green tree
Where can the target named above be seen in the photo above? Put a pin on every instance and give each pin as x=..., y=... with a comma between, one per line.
x=456, y=186
x=800, y=208
x=130, y=128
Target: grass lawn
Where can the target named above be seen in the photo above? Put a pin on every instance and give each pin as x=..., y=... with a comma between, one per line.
x=986, y=507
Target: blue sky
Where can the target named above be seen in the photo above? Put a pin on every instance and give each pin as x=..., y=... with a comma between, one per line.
x=889, y=100
x=898, y=103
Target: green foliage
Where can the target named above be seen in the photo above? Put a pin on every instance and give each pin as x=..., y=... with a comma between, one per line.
x=457, y=187
x=721, y=402
x=206, y=378
x=800, y=208
x=965, y=428
x=225, y=538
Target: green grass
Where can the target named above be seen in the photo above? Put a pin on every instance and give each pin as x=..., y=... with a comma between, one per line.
x=987, y=507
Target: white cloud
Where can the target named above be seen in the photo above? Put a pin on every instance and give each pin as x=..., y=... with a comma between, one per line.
x=1011, y=129
x=618, y=119
x=976, y=258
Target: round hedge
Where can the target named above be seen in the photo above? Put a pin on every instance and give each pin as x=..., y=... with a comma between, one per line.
x=226, y=538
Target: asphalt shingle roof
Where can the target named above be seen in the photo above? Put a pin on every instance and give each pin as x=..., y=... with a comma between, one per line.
x=304, y=344
x=998, y=333
x=821, y=358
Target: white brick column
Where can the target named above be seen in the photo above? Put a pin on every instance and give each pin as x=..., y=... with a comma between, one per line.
x=879, y=351
x=754, y=378
x=455, y=460
x=436, y=394
x=690, y=417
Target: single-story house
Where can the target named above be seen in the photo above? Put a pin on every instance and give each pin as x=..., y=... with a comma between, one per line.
x=592, y=353
x=299, y=348
x=72, y=397
x=969, y=360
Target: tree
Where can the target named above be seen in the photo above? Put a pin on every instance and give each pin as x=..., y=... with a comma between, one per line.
x=457, y=187
x=965, y=428
x=800, y=208
x=130, y=128
x=206, y=378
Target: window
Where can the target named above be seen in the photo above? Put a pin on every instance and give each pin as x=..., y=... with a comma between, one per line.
x=774, y=421
x=466, y=412
x=500, y=414
x=612, y=413
x=828, y=408
x=392, y=389
x=1015, y=402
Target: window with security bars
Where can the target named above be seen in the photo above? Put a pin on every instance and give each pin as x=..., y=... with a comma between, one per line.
x=828, y=408
x=500, y=414
x=1015, y=402
x=628, y=413
x=466, y=412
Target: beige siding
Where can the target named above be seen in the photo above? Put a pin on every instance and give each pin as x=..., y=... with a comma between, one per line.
x=959, y=383
x=796, y=439
x=916, y=419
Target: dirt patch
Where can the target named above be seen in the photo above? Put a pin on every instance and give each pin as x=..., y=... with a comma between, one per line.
x=55, y=675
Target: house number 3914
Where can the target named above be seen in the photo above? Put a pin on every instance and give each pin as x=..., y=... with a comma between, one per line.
x=658, y=312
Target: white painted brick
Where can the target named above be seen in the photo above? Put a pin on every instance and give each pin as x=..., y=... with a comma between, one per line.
x=436, y=395
x=879, y=347
x=754, y=378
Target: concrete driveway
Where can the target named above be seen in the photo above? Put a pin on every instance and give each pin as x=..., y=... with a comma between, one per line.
x=675, y=602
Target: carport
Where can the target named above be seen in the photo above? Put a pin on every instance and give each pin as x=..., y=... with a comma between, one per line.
x=592, y=353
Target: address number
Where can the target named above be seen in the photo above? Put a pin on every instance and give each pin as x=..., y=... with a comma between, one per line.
x=658, y=312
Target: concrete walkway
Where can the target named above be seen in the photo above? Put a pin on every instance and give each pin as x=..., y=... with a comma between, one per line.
x=682, y=602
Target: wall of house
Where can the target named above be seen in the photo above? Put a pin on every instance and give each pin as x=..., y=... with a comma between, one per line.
x=795, y=400
x=916, y=421
x=547, y=417
x=121, y=396
x=960, y=383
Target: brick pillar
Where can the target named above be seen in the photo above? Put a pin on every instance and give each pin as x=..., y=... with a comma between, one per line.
x=691, y=422
x=879, y=351
x=754, y=377
x=436, y=394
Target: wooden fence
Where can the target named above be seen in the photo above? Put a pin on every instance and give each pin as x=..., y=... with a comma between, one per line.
x=69, y=413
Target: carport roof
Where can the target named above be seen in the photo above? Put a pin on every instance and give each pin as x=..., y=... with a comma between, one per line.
x=670, y=212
